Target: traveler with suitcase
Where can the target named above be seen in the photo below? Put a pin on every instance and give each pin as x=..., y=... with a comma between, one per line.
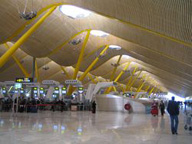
x=154, y=108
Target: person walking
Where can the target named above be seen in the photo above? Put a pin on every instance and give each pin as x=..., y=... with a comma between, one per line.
x=93, y=107
x=173, y=110
x=162, y=108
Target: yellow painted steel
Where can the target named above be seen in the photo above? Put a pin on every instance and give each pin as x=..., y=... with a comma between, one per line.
x=118, y=77
x=150, y=92
x=133, y=25
x=23, y=38
x=67, y=74
x=128, y=83
x=155, y=91
x=134, y=80
x=125, y=22
x=147, y=88
x=66, y=42
x=18, y=63
x=89, y=75
x=130, y=24
x=115, y=68
x=114, y=88
x=36, y=70
x=12, y=64
x=141, y=82
x=70, y=89
x=97, y=79
x=27, y=75
x=81, y=55
x=19, y=30
x=140, y=87
x=92, y=64
x=122, y=72
x=138, y=27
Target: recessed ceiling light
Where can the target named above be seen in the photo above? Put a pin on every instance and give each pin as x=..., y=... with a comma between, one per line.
x=115, y=47
x=99, y=33
x=74, y=12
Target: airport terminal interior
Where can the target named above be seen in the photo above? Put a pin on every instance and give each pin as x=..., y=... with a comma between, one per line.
x=95, y=71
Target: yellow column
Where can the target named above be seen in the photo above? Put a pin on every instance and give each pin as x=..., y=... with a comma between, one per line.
x=122, y=72
x=115, y=69
x=36, y=71
x=118, y=77
x=11, y=51
x=147, y=88
x=97, y=79
x=156, y=90
x=70, y=89
x=150, y=92
x=89, y=75
x=114, y=88
x=141, y=82
x=131, y=78
x=140, y=87
x=67, y=74
x=81, y=55
x=27, y=75
x=134, y=80
x=92, y=64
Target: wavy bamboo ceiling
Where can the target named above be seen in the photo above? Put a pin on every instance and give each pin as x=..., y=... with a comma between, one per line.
x=156, y=35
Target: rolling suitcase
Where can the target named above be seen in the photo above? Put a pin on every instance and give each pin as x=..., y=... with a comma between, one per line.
x=154, y=111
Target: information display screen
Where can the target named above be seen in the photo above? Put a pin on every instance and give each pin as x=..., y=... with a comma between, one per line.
x=56, y=92
x=24, y=80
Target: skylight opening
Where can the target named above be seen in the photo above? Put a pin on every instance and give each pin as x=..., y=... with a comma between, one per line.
x=99, y=33
x=126, y=57
x=115, y=47
x=74, y=12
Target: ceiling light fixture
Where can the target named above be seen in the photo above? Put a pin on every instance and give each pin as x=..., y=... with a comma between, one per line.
x=74, y=12
x=99, y=33
x=75, y=41
x=115, y=47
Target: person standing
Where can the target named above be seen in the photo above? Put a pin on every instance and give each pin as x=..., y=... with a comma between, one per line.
x=173, y=110
x=162, y=108
x=93, y=107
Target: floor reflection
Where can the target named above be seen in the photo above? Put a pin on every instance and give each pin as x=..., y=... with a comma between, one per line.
x=83, y=127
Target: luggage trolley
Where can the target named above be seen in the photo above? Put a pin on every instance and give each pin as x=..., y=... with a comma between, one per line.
x=188, y=121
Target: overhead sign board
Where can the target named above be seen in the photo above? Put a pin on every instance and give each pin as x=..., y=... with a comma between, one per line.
x=24, y=80
x=9, y=82
x=50, y=82
x=18, y=85
x=73, y=82
x=32, y=84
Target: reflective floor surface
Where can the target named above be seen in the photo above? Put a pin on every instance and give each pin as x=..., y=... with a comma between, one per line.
x=88, y=128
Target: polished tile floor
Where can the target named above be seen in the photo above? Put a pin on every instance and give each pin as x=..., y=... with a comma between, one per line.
x=87, y=128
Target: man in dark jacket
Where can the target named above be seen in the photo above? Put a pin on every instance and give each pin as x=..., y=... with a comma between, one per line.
x=173, y=110
x=93, y=107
